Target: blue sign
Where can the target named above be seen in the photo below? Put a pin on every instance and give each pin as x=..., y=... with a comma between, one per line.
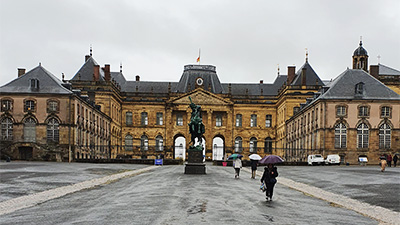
x=158, y=162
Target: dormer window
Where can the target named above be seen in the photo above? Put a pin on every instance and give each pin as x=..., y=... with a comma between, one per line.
x=34, y=84
x=360, y=88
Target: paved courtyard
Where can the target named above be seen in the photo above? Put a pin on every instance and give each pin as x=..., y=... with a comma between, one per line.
x=72, y=193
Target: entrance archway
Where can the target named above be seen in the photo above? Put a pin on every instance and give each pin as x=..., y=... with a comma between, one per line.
x=180, y=148
x=218, y=149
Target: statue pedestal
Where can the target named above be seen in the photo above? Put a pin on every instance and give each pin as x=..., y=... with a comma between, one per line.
x=195, y=163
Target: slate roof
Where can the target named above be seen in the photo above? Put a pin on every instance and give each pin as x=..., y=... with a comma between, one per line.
x=118, y=77
x=147, y=87
x=312, y=77
x=343, y=87
x=255, y=89
x=360, y=50
x=206, y=72
x=385, y=70
x=48, y=83
x=85, y=73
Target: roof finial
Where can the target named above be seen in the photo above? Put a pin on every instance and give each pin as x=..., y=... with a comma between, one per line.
x=120, y=67
x=306, y=55
x=379, y=59
x=360, y=40
x=278, y=69
x=90, y=50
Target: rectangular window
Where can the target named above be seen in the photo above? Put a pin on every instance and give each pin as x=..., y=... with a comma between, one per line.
x=239, y=120
x=253, y=120
x=144, y=120
x=218, y=120
x=29, y=105
x=179, y=120
x=363, y=111
x=341, y=111
x=6, y=105
x=128, y=118
x=385, y=112
x=53, y=106
x=159, y=118
x=268, y=121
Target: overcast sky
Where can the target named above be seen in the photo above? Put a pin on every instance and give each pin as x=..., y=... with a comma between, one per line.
x=245, y=40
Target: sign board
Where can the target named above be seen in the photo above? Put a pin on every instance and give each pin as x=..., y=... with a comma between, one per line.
x=362, y=159
x=158, y=162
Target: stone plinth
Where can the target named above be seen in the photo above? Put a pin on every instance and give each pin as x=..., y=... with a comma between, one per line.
x=195, y=163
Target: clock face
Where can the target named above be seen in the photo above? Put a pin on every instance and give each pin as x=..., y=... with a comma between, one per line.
x=199, y=81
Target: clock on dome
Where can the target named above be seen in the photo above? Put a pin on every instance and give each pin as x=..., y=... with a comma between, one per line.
x=199, y=81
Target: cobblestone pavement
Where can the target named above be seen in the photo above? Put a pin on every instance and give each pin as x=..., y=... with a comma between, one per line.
x=164, y=195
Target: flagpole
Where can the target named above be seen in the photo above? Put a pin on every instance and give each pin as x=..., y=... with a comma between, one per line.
x=199, y=56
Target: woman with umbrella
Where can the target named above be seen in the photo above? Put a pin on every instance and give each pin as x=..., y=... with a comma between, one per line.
x=237, y=163
x=253, y=162
x=270, y=174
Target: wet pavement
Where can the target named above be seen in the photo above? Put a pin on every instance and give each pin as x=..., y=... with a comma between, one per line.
x=164, y=195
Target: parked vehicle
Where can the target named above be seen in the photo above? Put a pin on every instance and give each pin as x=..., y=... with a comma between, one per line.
x=332, y=159
x=315, y=160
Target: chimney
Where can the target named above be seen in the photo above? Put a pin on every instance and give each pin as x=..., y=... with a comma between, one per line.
x=374, y=71
x=137, y=78
x=303, y=77
x=87, y=57
x=21, y=71
x=290, y=74
x=107, y=74
x=96, y=72
x=261, y=81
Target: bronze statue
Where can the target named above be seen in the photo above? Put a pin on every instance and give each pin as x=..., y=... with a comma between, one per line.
x=196, y=126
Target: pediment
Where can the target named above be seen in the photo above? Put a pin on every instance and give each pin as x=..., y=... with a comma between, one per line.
x=201, y=97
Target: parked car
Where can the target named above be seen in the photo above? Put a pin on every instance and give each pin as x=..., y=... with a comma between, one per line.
x=332, y=159
x=315, y=160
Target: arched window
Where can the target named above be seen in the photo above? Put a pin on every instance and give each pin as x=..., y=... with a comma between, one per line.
x=384, y=135
x=159, y=143
x=6, y=129
x=30, y=130
x=144, y=143
x=340, y=136
x=362, y=135
x=253, y=144
x=268, y=145
x=128, y=143
x=53, y=130
x=238, y=144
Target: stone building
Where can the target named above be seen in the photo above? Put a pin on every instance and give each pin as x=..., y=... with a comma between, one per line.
x=354, y=116
x=43, y=119
x=150, y=119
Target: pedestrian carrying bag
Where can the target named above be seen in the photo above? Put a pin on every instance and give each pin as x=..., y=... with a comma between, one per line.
x=262, y=187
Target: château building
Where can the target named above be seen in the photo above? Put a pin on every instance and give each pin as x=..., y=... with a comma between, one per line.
x=100, y=114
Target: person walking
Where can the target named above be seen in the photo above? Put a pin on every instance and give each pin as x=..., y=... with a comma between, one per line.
x=395, y=158
x=269, y=179
x=237, y=164
x=383, y=163
x=389, y=160
x=253, y=164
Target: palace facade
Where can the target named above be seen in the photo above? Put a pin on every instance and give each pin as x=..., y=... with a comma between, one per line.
x=103, y=115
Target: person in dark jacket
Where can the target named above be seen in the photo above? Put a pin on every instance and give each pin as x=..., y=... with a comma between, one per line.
x=395, y=160
x=269, y=179
x=389, y=160
x=253, y=168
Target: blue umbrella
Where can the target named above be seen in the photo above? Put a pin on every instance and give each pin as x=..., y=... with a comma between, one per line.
x=235, y=156
x=271, y=159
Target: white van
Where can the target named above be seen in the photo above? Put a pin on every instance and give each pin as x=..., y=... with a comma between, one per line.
x=332, y=159
x=315, y=160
